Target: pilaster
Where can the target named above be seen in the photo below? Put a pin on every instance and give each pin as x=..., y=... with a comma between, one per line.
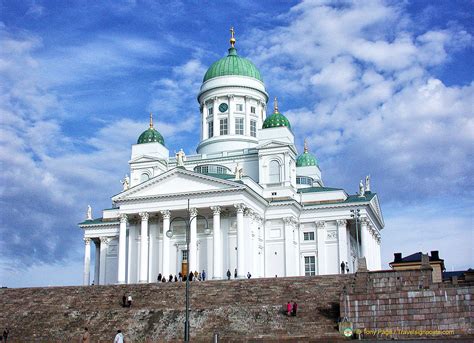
x=144, y=248
x=321, y=236
x=87, y=261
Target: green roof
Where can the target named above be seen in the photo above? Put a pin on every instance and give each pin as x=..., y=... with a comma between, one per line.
x=232, y=64
x=150, y=136
x=276, y=120
x=356, y=198
x=221, y=176
x=98, y=221
x=306, y=159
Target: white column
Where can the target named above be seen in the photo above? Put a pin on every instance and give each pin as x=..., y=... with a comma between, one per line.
x=342, y=242
x=247, y=116
x=152, y=251
x=289, y=225
x=165, y=269
x=204, y=121
x=87, y=261
x=122, y=249
x=240, y=241
x=144, y=248
x=321, y=236
x=379, y=253
x=216, y=243
x=372, y=247
x=97, y=262
x=364, y=239
x=192, y=253
x=104, y=242
x=231, y=127
x=216, y=121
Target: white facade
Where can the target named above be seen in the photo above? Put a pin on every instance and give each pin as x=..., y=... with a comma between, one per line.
x=264, y=214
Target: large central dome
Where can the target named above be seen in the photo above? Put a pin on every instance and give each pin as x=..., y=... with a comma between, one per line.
x=232, y=64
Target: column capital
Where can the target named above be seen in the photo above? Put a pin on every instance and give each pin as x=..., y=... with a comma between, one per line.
x=248, y=212
x=166, y=214
x=240, y=207
x=144, y=215
x=87, y=240
x=216, y=210
x=364, y=220
x=123, y=218
x=321, y=224
x=290, y=220
x=105, y=240
x=193, y=212
x=341, y=222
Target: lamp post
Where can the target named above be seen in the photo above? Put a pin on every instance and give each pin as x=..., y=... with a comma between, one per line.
x=356, y=215
x=169, y=233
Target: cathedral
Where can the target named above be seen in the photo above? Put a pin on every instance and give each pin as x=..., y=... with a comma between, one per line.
x=246, y=202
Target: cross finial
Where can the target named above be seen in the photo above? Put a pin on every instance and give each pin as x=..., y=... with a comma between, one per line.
x=232, y=39
x=275, y=105
x=305, y=145
x=151, y=120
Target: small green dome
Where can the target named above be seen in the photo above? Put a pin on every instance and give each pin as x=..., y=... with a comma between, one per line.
x=151, y=135
x=276, y=119
x=306, y=159
x=232, y=64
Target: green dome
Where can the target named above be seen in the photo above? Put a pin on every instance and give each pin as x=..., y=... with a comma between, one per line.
x=150, y=136
x=306, y=159
x=276, y=120
x=232, y=64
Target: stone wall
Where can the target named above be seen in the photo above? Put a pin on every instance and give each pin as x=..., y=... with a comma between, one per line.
x=238, y=310
x=407, y=304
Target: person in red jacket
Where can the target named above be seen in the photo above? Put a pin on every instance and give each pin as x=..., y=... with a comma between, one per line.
x=288, y=309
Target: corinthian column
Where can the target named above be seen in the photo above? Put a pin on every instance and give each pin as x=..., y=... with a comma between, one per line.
x=240, y=241
x=165, y=257
x=87, y=261
x=342, y=242
x=104, y=243
x=144, y=248
x=192, y=254
x=321, y=236
x=122, y=248
x=364, y=239
x=216, y=240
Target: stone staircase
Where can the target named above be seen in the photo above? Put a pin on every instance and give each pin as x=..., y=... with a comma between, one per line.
x=238, y=310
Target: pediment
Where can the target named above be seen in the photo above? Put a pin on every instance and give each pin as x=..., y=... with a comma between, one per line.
x=273, y=144
x=144, y=158
x=175, y=182
x=376, y=206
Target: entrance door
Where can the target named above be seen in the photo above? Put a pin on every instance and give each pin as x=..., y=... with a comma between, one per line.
x=184, y=263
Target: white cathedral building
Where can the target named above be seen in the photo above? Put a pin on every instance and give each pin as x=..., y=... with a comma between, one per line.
x=247, y=200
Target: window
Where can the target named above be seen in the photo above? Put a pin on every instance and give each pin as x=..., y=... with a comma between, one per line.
x=253, y=128
x=308, y=236
x=252, y=109
x=274, y=172
x=304, y=180
x=210, y=110
x=240, y=107
x=185, y=255
x=309, y=265
x=223, y=127
x=239, y=126
x=144, y=177
x=210, y=129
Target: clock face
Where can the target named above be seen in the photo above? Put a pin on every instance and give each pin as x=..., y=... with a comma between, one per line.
x=223, y=107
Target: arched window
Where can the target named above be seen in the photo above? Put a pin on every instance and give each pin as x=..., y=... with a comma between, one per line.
x=144, y=177
x=274, y=172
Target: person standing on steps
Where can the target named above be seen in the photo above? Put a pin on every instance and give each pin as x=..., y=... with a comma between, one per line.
x=235, y=273
x=347, y=267
x=124, y=300
x=5, y=334
x=249, y=275
x=129, y=300
x=228, y=274
x=343, y=267
x=288, y=309
x=203, y=275
x=86, y=337
x=294, y=309
x=191, y=275
x=119, y=337
x=159, y=277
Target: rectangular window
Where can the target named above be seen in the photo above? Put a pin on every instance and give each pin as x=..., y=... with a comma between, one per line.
x=240, y=108
x=185, y=255
x=210, y=129
x=309, y=265
x=253, y=128
x=252, y=109
x=239, y=126
x=308, y=236
x=223, y=127
x=210, y=110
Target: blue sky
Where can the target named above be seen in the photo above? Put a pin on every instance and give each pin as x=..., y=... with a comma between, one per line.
x=380, y=88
